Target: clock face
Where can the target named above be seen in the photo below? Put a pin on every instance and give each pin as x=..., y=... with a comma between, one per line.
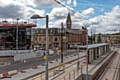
x=68, y=22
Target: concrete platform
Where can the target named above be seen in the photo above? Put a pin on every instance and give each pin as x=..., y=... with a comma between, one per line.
x=69, y=75
x=71, y=70
x=31, y=72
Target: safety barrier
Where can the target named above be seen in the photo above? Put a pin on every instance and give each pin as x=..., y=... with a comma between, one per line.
x=12, y=72
x=5, y=74
x=72, y=75
x=52, y=72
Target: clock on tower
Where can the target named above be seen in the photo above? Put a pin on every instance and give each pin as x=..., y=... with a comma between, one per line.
x=68, y=21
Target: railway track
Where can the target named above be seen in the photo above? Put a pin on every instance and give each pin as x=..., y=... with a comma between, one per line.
x=111, y=72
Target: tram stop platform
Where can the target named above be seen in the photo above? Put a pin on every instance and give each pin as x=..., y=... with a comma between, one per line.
x=73, y=72
x=71, y=69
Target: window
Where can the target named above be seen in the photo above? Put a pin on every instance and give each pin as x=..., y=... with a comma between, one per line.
x=41, y=31
x=58, y=30
x=36, y=38
x=37, y=31
x=56, y=39
x=51, y=31
x=39, y=38
x=50, y=39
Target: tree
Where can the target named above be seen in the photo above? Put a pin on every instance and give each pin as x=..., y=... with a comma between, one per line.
x=119, y=41
x=99, y=38
x=93, y=39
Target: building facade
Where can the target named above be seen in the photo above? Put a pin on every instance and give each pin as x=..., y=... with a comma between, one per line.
x=114, y=39
x=8, y=35
x=75, y=36
x=71, y=37
x=54, y=38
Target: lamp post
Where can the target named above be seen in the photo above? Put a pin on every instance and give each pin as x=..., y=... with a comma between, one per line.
x=78, y=57
x=61, y=42
x=87, y=54
x=17, y=37
x=36, y=16
x=85, y=30
x=91, y=37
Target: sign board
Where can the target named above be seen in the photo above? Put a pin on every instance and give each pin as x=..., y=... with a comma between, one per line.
x=44, y=57
x=58, y=51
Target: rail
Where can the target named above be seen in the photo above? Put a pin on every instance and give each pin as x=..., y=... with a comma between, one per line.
x=51, y=72
x=73, y=74
x=106, y=67
x=116, y=69
x=117, y=73
x=70, y=75
x=96, y=74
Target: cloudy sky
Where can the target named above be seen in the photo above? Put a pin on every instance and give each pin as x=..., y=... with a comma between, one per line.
x=99, y=16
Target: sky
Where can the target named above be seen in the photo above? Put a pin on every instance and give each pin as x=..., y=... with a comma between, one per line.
x=98, y=16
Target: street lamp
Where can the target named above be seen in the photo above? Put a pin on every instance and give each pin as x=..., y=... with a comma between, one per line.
x=17, y=37
x=36, y=16
x=87, y=55
x=85, y=29
x=78, y=57
x=61, y=42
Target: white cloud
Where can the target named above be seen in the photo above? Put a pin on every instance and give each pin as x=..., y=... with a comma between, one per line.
x=110, y=21
x=68, y=1
x=75, y=3
x=5, y=2
x=59, y=13
x=17, y=8
x=88, y=12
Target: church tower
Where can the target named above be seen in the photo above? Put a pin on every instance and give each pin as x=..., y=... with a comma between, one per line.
x=68, y=22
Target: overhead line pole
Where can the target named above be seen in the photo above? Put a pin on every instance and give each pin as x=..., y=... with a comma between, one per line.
x=61, y=42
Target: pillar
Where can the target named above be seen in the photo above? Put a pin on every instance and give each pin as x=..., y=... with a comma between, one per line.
x=88, y=57
x=94, y=52
x=97, y=52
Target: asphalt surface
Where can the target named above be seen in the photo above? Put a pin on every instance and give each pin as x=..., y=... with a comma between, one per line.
x=30, y=63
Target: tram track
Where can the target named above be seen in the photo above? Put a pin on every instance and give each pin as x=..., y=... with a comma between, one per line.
x=111, y=71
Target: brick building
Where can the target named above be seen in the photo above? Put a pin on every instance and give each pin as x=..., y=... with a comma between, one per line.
x=71, y=36
x=75, y=36
x=54, y=38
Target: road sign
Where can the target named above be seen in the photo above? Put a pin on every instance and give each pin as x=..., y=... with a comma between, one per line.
x=44, y=57
x=58, y=51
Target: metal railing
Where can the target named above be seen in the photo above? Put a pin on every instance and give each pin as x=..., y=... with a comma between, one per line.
x=73, y=74
x=52, y=72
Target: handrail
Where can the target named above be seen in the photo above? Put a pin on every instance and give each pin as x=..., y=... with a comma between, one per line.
x=71, y=74
x=51, y=72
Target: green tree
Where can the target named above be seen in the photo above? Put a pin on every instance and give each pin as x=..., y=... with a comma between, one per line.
x=119, y=41
x=93, y=39
x=99, y=38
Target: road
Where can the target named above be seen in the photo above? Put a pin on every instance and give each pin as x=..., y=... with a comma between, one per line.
x=30, y=63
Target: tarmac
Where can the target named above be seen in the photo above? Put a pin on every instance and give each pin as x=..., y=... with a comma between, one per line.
x=30, y=72
x=70, y=70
